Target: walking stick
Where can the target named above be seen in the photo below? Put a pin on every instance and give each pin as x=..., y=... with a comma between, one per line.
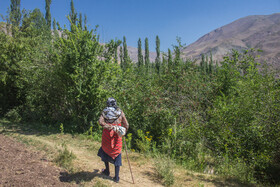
x=128, y=160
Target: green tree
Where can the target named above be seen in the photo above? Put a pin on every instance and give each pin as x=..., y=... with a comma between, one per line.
x=15, y=14
x=116, y=46
x=121, y=56
x=83, y=77
x=73, y=15
x=211, y=64
x=202, y=63
x=126, y=58
x=158, y=54
x=80, y=20
x=177, y=55
x=85, y=22
x=48, y=13
x=34, y=24
x=55, y=28
x=54, y=24
x=140, y=55
x=112, y=51
x=147, y=53
x=170, y=60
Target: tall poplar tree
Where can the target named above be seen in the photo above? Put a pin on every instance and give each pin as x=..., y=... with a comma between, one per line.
x=80, y=20
x=169, y=58
x=55, y=27
x=121, y=56
x=206, y=65
x=48, y=13
x=147, y=53
x=211, y=64
x=54, y=24
x=177, y=55
x=140, y=55
x=73, y=14
x=158, y=54
x=117, y=43
x=15, y=14
x=126, y=59
x=202, y=63
x=85, y=22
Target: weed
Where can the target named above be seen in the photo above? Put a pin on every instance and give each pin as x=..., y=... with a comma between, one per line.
x=164, y=169
x=61, y=128
x=201, y=185
x=64, y=158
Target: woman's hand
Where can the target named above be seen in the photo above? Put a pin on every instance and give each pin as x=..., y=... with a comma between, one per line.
x=108, y=126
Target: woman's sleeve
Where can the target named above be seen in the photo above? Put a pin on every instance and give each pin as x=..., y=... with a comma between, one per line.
x=124, y=122
x=102, y=122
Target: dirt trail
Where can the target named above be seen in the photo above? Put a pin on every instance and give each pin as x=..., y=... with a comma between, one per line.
x=90, y=165
x=20, y=166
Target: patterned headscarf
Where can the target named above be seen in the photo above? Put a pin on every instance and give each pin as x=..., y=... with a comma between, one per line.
x=111, y=102
x=112, y=111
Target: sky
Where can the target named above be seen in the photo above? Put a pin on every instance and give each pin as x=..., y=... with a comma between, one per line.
x=169, y=19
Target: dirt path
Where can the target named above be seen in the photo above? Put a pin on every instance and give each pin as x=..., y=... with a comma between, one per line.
x=89, y=165
x=20, y=166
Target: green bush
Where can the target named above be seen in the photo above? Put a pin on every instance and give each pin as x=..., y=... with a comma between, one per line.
x=13, y=115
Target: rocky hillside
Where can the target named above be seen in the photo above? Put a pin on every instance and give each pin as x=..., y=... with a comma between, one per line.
x=259, y=32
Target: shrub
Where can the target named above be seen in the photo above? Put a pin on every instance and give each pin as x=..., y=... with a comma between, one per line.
x=13, y=115
x=144, y=142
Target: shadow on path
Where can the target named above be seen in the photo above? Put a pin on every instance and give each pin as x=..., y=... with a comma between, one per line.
x=81, y=176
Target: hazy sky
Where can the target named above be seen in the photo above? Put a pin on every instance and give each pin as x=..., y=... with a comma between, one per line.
x=188, y=19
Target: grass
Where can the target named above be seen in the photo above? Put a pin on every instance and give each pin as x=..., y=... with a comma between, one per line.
x=65, y=158
x=99, y=183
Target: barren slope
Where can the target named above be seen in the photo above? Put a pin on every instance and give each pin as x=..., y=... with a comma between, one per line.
x=260, y=32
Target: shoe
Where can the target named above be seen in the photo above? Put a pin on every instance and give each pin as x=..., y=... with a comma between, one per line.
x=116, y=180
x=105, y=172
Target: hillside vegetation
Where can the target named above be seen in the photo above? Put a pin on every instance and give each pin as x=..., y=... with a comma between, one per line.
x=208, y=118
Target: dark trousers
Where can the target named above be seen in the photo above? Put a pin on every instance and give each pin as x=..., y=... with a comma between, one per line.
x=117, y=170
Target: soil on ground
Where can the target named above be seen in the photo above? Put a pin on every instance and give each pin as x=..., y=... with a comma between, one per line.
x=20, y=166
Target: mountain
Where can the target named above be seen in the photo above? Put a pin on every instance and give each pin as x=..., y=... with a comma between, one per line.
x=259, y=32
x=133, y=54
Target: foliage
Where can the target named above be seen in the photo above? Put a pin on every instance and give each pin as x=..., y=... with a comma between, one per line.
x=128, y=140
x=144, y=143
x=13, y=115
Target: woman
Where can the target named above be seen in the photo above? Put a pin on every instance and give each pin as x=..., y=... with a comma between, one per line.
x=110, y=151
